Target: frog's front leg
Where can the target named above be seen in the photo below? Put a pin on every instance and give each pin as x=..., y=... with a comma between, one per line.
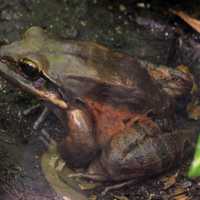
x=79, y=146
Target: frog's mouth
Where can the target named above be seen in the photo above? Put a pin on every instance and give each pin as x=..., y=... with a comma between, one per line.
x=17, y=79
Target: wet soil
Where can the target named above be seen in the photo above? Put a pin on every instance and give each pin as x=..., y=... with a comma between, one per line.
x=147, y=31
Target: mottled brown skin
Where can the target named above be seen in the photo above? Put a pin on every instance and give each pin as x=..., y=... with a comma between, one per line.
x=117, y=107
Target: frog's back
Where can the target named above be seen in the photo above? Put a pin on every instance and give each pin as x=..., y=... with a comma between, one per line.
x=111, y=76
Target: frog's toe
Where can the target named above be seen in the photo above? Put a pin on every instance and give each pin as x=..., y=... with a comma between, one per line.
x=101, y=178
x=31, y=109
x=45, y=138
x=116, y=186
x=41, y=118
x=92, y=177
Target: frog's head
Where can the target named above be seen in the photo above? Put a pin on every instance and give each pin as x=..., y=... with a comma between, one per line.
x=26, y=63
x=26, y=53
x=38, y=53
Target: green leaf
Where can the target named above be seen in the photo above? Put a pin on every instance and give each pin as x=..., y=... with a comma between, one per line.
x=194, y=170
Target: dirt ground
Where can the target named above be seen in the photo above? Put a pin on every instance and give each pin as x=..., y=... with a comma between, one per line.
x=146, y=31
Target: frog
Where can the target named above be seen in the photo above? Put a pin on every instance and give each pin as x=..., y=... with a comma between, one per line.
x=120, y=116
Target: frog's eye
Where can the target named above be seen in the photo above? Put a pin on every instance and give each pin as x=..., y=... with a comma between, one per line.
x=29, y=68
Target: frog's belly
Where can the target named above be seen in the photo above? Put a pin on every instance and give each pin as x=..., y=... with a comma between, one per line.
x=111, y=121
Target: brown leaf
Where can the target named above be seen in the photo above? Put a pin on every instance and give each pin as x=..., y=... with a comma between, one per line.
x=169, y=181
x=182, y=197
x=180, y=193
x=193, y=110
x=194, y=23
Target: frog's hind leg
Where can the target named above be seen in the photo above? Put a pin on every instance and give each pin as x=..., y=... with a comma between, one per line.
x=96, y=173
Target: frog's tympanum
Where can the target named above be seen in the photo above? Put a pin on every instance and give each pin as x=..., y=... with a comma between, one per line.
x=122, y=120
